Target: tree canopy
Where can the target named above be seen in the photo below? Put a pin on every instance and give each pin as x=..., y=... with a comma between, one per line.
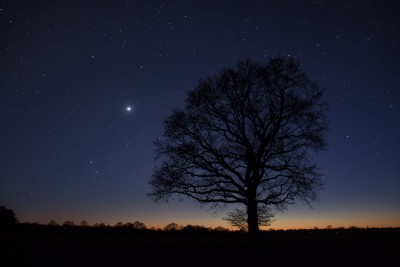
x=7, y=217
x=244, y=136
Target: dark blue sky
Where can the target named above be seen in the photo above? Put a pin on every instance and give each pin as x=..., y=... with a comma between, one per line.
x=70, y=150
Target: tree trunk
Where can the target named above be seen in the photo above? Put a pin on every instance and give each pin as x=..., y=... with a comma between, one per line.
x=252, y=218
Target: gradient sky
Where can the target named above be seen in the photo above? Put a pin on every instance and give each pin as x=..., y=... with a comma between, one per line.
x=70, y=149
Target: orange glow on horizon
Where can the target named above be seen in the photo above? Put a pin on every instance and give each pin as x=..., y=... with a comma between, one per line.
x=159, y=217
x=284, y=223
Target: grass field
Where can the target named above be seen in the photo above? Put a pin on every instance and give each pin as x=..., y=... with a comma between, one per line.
x=35, y=245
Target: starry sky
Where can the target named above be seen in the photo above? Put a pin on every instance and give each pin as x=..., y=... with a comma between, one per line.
x=86, y=85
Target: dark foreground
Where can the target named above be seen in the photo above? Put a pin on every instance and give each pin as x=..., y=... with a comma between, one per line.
x=46, y=246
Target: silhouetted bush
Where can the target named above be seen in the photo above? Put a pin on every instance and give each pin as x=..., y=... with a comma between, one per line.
x=68, y=224
x=221, y=229
x=139, y=225
x=84, y=223
x=119, y=224
x=172, y=227
x=52, y=223
x=195, y=228
x=100, y=225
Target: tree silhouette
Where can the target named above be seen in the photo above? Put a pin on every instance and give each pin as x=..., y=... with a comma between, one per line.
x=221, y=229
x=195, y=228
x=172, y=227
x=52, y=223
x=119, y=224
x=238, y=217
x=68, y=224
x=244, y=136
x=7, y=217
x=139, y=225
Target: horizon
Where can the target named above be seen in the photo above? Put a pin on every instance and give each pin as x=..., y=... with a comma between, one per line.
x=282, y=221
x=212, y=227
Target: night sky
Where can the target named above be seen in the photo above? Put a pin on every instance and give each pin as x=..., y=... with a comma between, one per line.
x=86, y=85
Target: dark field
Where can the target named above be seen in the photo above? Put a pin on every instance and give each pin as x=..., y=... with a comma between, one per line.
x=37, y=245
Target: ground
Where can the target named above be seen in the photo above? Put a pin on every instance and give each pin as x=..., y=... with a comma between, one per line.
x=58, y=246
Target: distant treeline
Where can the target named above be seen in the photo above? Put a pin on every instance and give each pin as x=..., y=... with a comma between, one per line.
x=9, y=222
x=140, y=228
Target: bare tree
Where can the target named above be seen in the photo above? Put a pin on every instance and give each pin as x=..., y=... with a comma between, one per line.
x=244, y=136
